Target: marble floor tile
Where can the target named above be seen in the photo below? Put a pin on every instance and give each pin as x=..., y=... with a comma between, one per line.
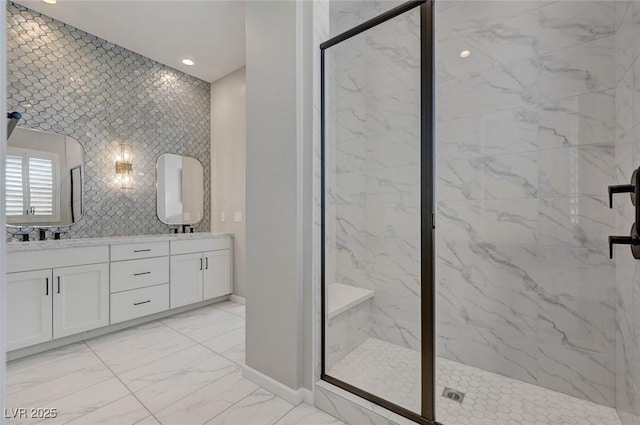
x=349, y=408
x=260, y=408
x=232, y=307
x=132, y=360
x=236, y=354
x=65, y=365
x=207, y=402
x=149, y=420
x=162, y=393
x=152, y=374
x=308, y=415
x=226, y=341
x=192, y=320
x=126, y=411
x=41, y=394
x=238, y=309
x=46, y=358
x=209, y=326
x=84, y=402
x=126, y=338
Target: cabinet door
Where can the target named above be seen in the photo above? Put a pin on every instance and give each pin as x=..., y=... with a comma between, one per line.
x=217, y=273
x=186, y=279
x=80, y=299
x=29, y=308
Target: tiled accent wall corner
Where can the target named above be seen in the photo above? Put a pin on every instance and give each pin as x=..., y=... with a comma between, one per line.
x=66, y=81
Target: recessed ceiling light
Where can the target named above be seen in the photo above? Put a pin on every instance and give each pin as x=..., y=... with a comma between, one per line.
x=465, y=54
x=50, y=1
x=188, y=62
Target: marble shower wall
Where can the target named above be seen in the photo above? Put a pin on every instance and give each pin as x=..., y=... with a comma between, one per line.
x=70, y=82
x=525, y=151
x=373, y=153
x=627, y=157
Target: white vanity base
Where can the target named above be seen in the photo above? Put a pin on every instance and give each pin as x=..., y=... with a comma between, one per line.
x=61, y=292
x=60, y=342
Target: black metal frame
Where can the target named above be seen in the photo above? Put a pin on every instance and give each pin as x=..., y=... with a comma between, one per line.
x=427, y=414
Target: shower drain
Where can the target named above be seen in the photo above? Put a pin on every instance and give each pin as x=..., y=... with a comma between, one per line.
x=453, y=395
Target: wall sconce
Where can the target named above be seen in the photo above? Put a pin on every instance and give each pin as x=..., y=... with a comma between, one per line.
x=124, y=167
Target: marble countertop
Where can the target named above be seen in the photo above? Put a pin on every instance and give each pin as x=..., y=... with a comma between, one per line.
x=110, y=240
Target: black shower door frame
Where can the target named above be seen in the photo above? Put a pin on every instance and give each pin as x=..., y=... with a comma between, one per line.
x=427, y=219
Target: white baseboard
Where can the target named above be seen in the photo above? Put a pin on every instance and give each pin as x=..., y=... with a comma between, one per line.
x=294, y=397
x=238, y=299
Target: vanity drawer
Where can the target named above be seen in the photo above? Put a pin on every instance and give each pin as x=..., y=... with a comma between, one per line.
x=139, y=302
x=200, y=245
x=51, y=258
x=134, y=251
x=133, y=274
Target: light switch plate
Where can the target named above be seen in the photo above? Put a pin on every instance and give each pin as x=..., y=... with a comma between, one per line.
x=223, y=216
x=237, y=216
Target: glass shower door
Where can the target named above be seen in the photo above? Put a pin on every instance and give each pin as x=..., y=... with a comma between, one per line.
x=377, y=252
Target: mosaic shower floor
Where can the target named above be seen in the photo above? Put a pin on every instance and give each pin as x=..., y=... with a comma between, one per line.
x=393, y=372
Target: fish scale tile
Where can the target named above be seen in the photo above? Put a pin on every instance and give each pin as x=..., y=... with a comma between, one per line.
x=66, y=81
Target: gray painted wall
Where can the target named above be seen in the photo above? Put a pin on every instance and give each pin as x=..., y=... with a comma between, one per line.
x=228, y=164
x=273, y=266
x=67, y=81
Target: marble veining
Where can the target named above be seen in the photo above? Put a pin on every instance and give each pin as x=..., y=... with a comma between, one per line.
x=526, y=137
x=373, y=203
x=155, y=373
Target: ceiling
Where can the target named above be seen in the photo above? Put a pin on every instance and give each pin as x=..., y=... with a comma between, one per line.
x=210, y=32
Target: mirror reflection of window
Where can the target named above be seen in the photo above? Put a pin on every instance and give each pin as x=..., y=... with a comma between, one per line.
x=32, y=181
x=44, y=173
x=14, y=187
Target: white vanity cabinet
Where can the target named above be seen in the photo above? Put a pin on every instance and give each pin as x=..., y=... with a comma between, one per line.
x=217, y=273
x=200, y=270
x=69, y=294
x=56, y=289
x=80, y=299
x=29, y=308
x=186, y=279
